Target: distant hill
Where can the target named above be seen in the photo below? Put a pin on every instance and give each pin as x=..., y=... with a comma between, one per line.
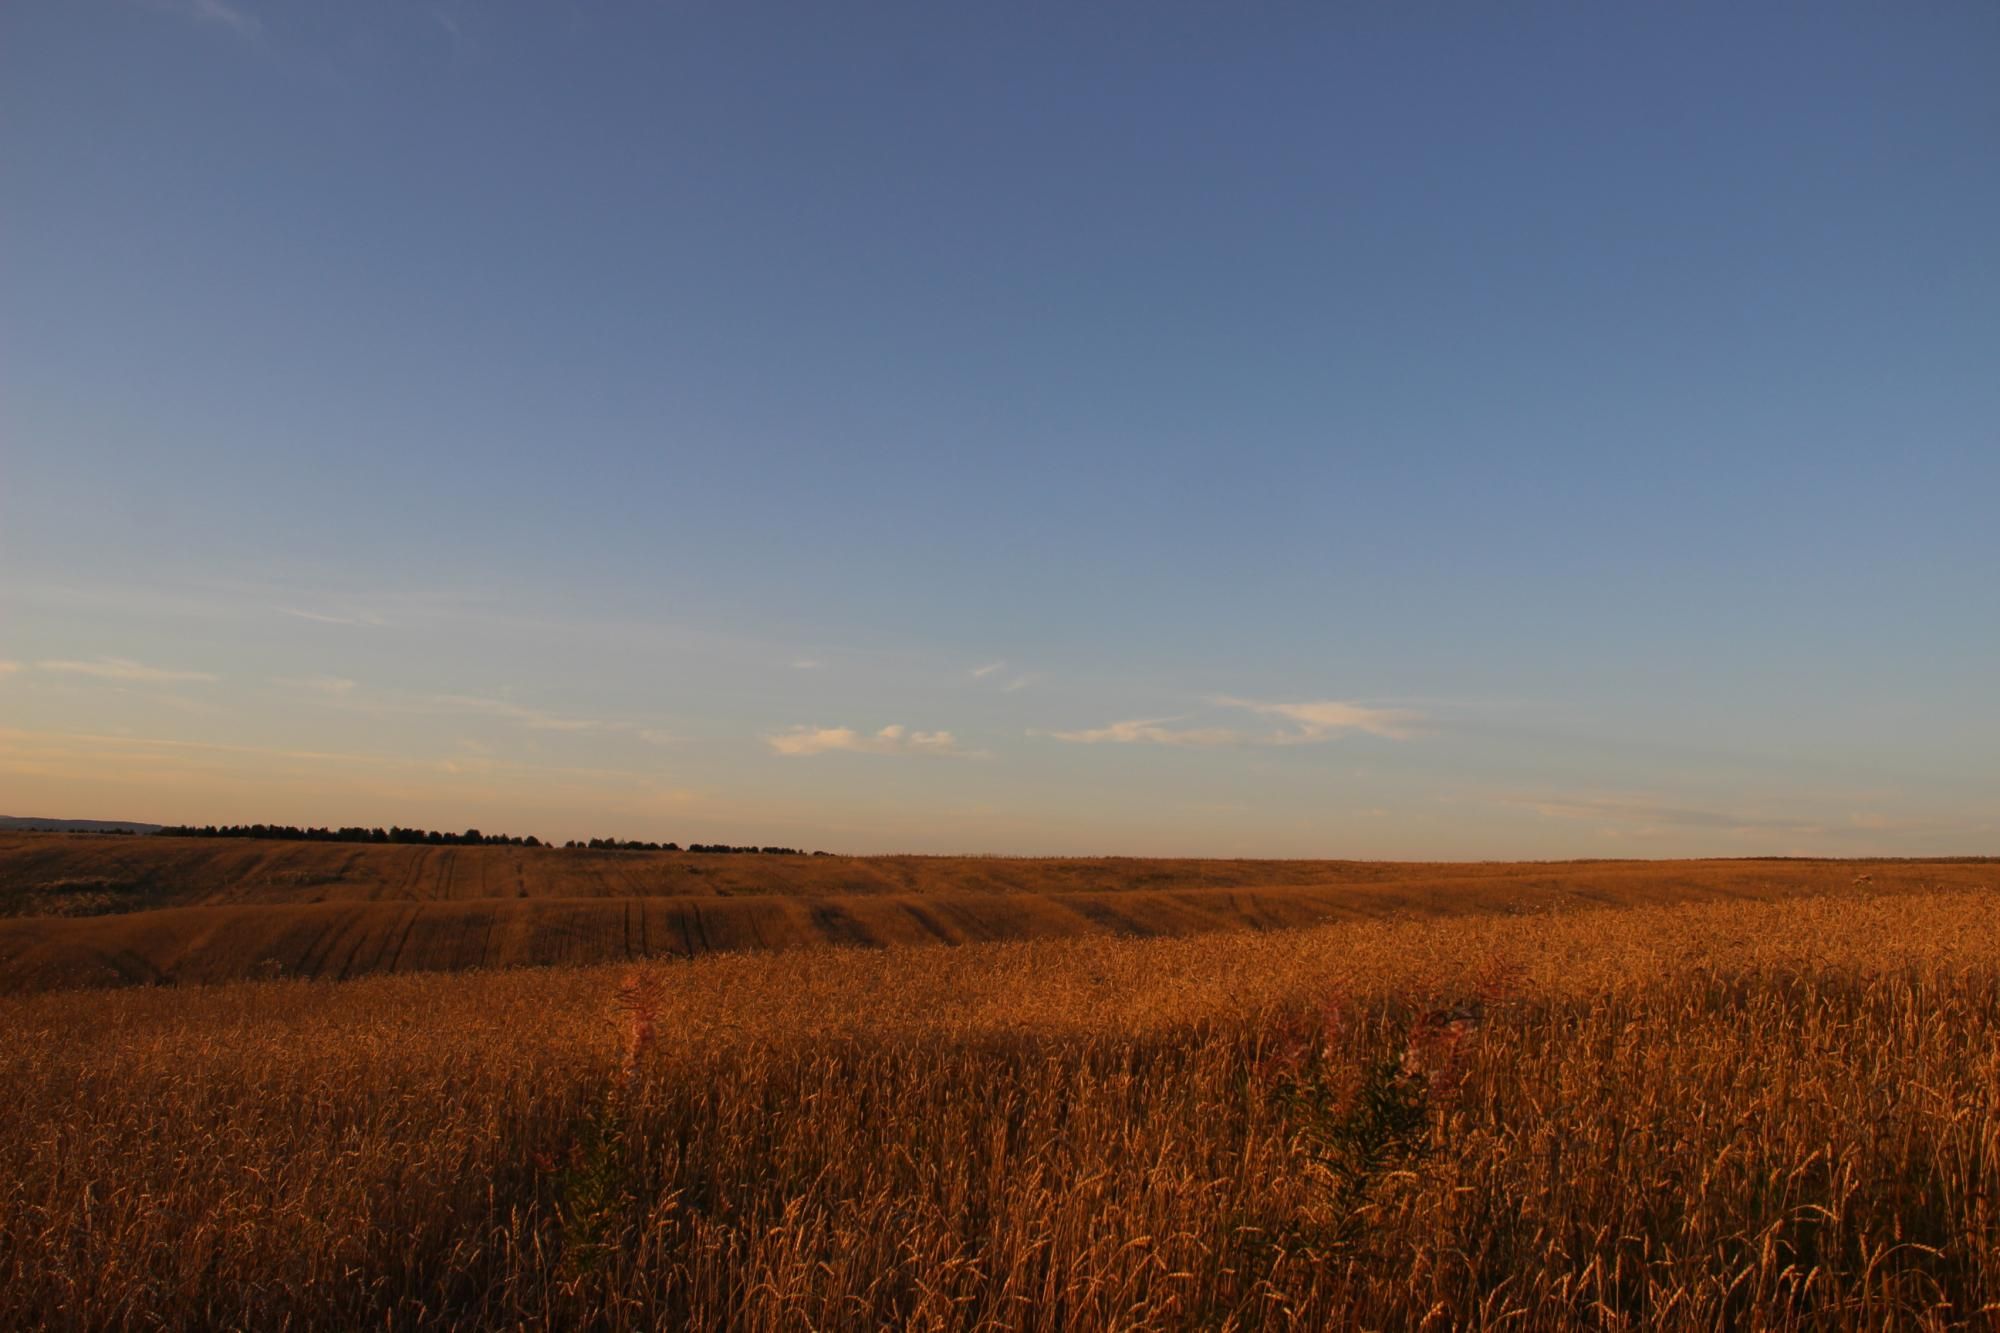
x=106, y=911
x=26, y=823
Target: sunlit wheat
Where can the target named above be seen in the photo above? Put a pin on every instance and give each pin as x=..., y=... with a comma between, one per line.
x=1780, y=1116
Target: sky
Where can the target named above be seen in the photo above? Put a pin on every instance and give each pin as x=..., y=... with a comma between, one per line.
x=1424, y=432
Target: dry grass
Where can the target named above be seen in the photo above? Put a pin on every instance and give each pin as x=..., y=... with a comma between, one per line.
x=1776, y=1115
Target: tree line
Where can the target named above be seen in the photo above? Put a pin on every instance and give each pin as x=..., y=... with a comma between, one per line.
x=626, y=845
x=472, y=837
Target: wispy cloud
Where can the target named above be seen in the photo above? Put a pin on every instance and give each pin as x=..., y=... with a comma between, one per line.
x=340, y=692
x=533, y=718
x=1325, y=718
x=897, y=740
x=134, y=744
x=1870, y=822
x=1305, y=724
x=807, y=664
x=122, y=668
x=44, y=746
x=9, y=668
x=1643, y=815
x=220, y=13
x=1010, y=682
x=1151, y=731
x=1648, y=812
x=362, y=618
x=333, y=687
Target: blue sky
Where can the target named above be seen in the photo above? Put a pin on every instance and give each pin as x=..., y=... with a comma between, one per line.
x=1376, y=431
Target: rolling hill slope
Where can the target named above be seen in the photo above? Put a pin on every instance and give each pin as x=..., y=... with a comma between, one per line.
x=78, y=910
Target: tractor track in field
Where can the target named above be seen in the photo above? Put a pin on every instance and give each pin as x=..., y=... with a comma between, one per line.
x=311, y=956
x=361, y=935
x=412, y=871
x=403, y=937
x=929, y=923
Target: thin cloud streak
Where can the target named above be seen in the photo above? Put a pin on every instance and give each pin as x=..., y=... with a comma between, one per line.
x=1325, y=718
x=451, y=765
x=1639, y=814
x=122, y=668
x=326, y=618
x=1658, y=813
x=337, y=691
x=333, y=687
x=532, y=718
x=803, y=741
x=1312, y=722
x=1014, y=680
x=1150, y=731
x=217, y=13
x=216, y=747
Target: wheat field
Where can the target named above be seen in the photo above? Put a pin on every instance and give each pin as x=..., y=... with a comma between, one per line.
x=1699, y=1116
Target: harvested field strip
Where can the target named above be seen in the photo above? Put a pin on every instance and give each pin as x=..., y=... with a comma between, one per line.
x=352, y=939
x=146, y=873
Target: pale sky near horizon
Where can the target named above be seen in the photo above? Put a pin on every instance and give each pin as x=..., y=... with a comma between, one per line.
x=1375, y=431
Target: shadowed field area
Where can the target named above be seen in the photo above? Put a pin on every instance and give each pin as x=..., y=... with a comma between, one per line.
x=86, y=911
